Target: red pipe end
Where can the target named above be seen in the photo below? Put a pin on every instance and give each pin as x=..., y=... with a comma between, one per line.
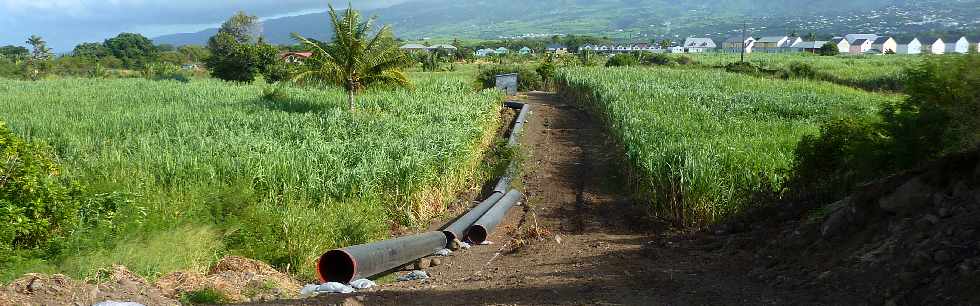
x=336, y=266
x=477, y=234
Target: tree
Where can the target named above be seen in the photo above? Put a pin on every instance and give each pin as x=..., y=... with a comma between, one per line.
x=14, y=52
x=829, y=49
x=172, y=57
x=665, y=43
x=94, y=50
x=242, y=27
x=41, y=50
x=811, y=36
x=134, y=50
x=194, y=53
x=354, y=59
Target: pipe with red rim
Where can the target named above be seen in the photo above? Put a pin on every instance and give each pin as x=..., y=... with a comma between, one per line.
x=367, y=260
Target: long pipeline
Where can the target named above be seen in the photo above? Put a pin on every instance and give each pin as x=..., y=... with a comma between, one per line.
x=457, y=230
x=366, y=260
x=482, y=228
x=515, y=133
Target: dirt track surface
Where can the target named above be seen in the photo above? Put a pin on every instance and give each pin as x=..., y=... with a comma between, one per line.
x=606, y=252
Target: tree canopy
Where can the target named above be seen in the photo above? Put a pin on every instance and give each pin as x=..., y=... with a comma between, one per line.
x=134, y=50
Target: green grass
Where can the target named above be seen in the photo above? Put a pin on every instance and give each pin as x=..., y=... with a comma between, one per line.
x=181, y=174
x=703, y=141
x=872, y=72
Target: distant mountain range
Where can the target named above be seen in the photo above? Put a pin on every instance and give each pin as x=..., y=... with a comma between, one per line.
x=637, y=19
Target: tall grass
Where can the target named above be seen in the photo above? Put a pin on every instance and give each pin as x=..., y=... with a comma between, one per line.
x=703, y=141
x=871, y=72
x=279, y=175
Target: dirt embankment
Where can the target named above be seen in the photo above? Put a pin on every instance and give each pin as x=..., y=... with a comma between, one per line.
x=237, y=278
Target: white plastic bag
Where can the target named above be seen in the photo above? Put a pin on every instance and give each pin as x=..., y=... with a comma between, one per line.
x=333, y=287
x=443, y=252
x=362, y=284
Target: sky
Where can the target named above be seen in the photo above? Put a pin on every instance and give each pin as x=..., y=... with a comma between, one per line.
x=66, y=23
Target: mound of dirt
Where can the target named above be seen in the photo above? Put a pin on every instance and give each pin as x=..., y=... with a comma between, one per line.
x=118, y=284
x=909, y=239
x=239, y=279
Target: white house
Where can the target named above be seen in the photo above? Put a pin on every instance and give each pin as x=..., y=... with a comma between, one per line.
x=485, y=52
x=913, y=47
x=860, y=45
x=810, y=46
x=843, y=45
x=933, y=45
x=853, y=37
x=676, y=49
x=884, y=44
x=738, y=44
x=501, y=51
x=960, y=45
x=699, y=44
x=526, y=51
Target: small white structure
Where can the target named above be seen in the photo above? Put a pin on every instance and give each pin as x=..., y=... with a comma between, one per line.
x=843, y=46
x=775, y=44
x=860, y=46
x=912, y=47
x=485, y=52
x=445, y=47
x=526, y=51
x=699, y=44
x=884, y=44
x=502, y=51
x=557, y=49
x=933, y=45
x=960, y=45
x=738, y=44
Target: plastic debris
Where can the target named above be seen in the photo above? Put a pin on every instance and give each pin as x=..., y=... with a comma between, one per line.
x=308, y=291
x=443, y=252
x=486, y=242
x=464, y=245
x=362, y=284
x=114, y=303
x=415, y=275
x=333, y=287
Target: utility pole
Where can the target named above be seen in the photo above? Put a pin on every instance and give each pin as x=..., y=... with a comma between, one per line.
x=743, y=41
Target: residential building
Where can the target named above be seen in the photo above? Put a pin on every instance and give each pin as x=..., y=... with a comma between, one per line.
x=843, y=45
x=447, y=48
x=525, y=51
x=860, y=45
x=502, y=51
x=738, y=44
x=960, y=45
x=295, y=57
x=810, y=46
x=912, y=47
x=884, y=44
x=699, y=45
x=557, y=49
x=485, y=52
x=851, y=38
x=414, y=48
x=933, y=45
x=775, y=44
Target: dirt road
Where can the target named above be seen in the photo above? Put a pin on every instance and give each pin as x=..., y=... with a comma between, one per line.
x=598, y=247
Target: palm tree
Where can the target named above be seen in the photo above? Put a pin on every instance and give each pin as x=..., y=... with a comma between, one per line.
x=354, y=60
x=41, y=50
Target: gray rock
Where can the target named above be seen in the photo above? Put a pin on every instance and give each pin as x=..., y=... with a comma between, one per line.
x=35, y=285
x=837, y=222
x=907, y=198
x=436, y=262
x=423, y=264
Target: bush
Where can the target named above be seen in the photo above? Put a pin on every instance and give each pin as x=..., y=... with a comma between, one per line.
x=801, y=70
x=940, y=116
x=165, y=71
x=277, y=72
x=743, y=67
x=623, y=60
x=685, y=60
x=527, y=78
x=829, y=49
x=208, y=296
x=35, y=200
x=658, y=59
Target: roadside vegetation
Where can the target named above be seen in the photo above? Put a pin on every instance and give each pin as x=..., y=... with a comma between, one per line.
x=702, y=142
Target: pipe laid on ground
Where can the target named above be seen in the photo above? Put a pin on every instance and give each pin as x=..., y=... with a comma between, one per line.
x=457, y=230
x=366, y=260
x=482, y=228
x=519, y=125
x=502, y=185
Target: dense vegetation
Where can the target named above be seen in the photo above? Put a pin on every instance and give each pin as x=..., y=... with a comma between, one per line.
x=940, y=116
x=867, y=72
x=703, y=141
x=175, y=174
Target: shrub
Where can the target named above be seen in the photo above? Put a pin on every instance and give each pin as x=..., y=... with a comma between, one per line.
x=800, y=70
x=623, y=60
x=527, y=78
x=846, y=152
x=35, y=201
x=685, y=60
x=828, y=49
x=658, y=59
x=207, y=296
x=165, y=71
x=742, y=67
